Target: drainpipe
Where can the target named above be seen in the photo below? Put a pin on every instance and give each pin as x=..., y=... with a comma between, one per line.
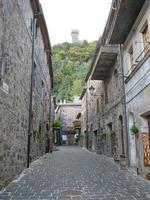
x=50, y=123
x=31, y=90
x=87, y=134
x=124, y=109
x=2, y=46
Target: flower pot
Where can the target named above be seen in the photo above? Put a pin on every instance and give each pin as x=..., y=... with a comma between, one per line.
x=148, y=177
x=137, y=135
x=122, y=161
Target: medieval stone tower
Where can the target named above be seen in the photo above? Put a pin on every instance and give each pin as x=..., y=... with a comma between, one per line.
x=75, y=36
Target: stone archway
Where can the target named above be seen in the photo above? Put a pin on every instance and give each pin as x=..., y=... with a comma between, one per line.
x=111, y=139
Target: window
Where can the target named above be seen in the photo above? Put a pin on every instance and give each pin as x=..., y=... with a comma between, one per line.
x=97, y=103
x=106, y=92
x=115, y=80
x=47, y=127
x=42, y=90
x=34, y=76
x=130, y=51
x=36, y=30
x=146, y=38
x=31, y=25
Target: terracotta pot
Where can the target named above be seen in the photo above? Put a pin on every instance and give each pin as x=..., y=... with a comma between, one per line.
x=122, y=160
x=137, y=135
x=148, y=177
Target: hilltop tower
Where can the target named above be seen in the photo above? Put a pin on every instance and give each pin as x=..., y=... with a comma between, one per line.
x=75, y=36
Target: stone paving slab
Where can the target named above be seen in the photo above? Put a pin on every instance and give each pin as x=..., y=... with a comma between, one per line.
x=76, y=174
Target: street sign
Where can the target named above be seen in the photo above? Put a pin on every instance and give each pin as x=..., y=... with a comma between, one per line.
x=5, y=87
x=64, y=137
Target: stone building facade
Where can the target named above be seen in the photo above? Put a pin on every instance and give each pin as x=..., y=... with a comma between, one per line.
x=104, y=106
x=122, y=63
x=16, y=59
x=83, y=117
x=135, y=40
x=107, y=117
x=90, y=117
x=67, y=113
x=53, y=107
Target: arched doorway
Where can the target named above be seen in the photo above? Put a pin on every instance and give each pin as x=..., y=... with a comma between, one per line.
x=94, y=141
x=111, y=139
x=47, y=142
x=121, y=135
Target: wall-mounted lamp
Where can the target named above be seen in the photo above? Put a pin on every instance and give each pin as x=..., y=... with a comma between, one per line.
x=48, y=51
x=92, y=89
x=37, y=14
x=92, y=92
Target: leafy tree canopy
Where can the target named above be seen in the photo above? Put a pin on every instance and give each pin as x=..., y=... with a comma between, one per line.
x=71, y=63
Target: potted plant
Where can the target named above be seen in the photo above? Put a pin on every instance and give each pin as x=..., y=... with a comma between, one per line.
x=148, y=176
x=38, y=134
x=99, y=137
x=113, y=135
x=34, y=133
x=82, y=135
x=81, y=138
x=135, y=129
x=50, y=136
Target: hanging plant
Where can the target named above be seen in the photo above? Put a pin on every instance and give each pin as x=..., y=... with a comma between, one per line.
x=104, y=136
x=50, y=135
x=56, y=123
x=113, y=134
x=81, y=135
x=39, y=134
x=99, y=137
x=34, y=133
x=134, y=128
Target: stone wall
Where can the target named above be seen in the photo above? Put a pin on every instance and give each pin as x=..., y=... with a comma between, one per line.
x=68, y=113
x=137, y=85
x=106, y=132
x=83, y=114
x=15, y=73
x=112, y=112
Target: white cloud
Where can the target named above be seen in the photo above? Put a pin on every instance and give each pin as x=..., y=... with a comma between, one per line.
x=88, y=16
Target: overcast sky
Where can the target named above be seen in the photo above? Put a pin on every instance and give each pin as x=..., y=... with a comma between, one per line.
x=88, y=16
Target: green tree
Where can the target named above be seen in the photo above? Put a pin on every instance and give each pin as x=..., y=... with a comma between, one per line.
x=71, y=63
x=77, y=87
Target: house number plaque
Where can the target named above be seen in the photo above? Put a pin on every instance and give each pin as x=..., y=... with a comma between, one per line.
x=146, y=148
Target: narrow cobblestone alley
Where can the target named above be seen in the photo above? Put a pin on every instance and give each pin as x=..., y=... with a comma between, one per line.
x=74, y=173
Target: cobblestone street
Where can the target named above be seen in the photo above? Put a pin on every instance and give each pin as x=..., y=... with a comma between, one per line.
x=74, y=173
